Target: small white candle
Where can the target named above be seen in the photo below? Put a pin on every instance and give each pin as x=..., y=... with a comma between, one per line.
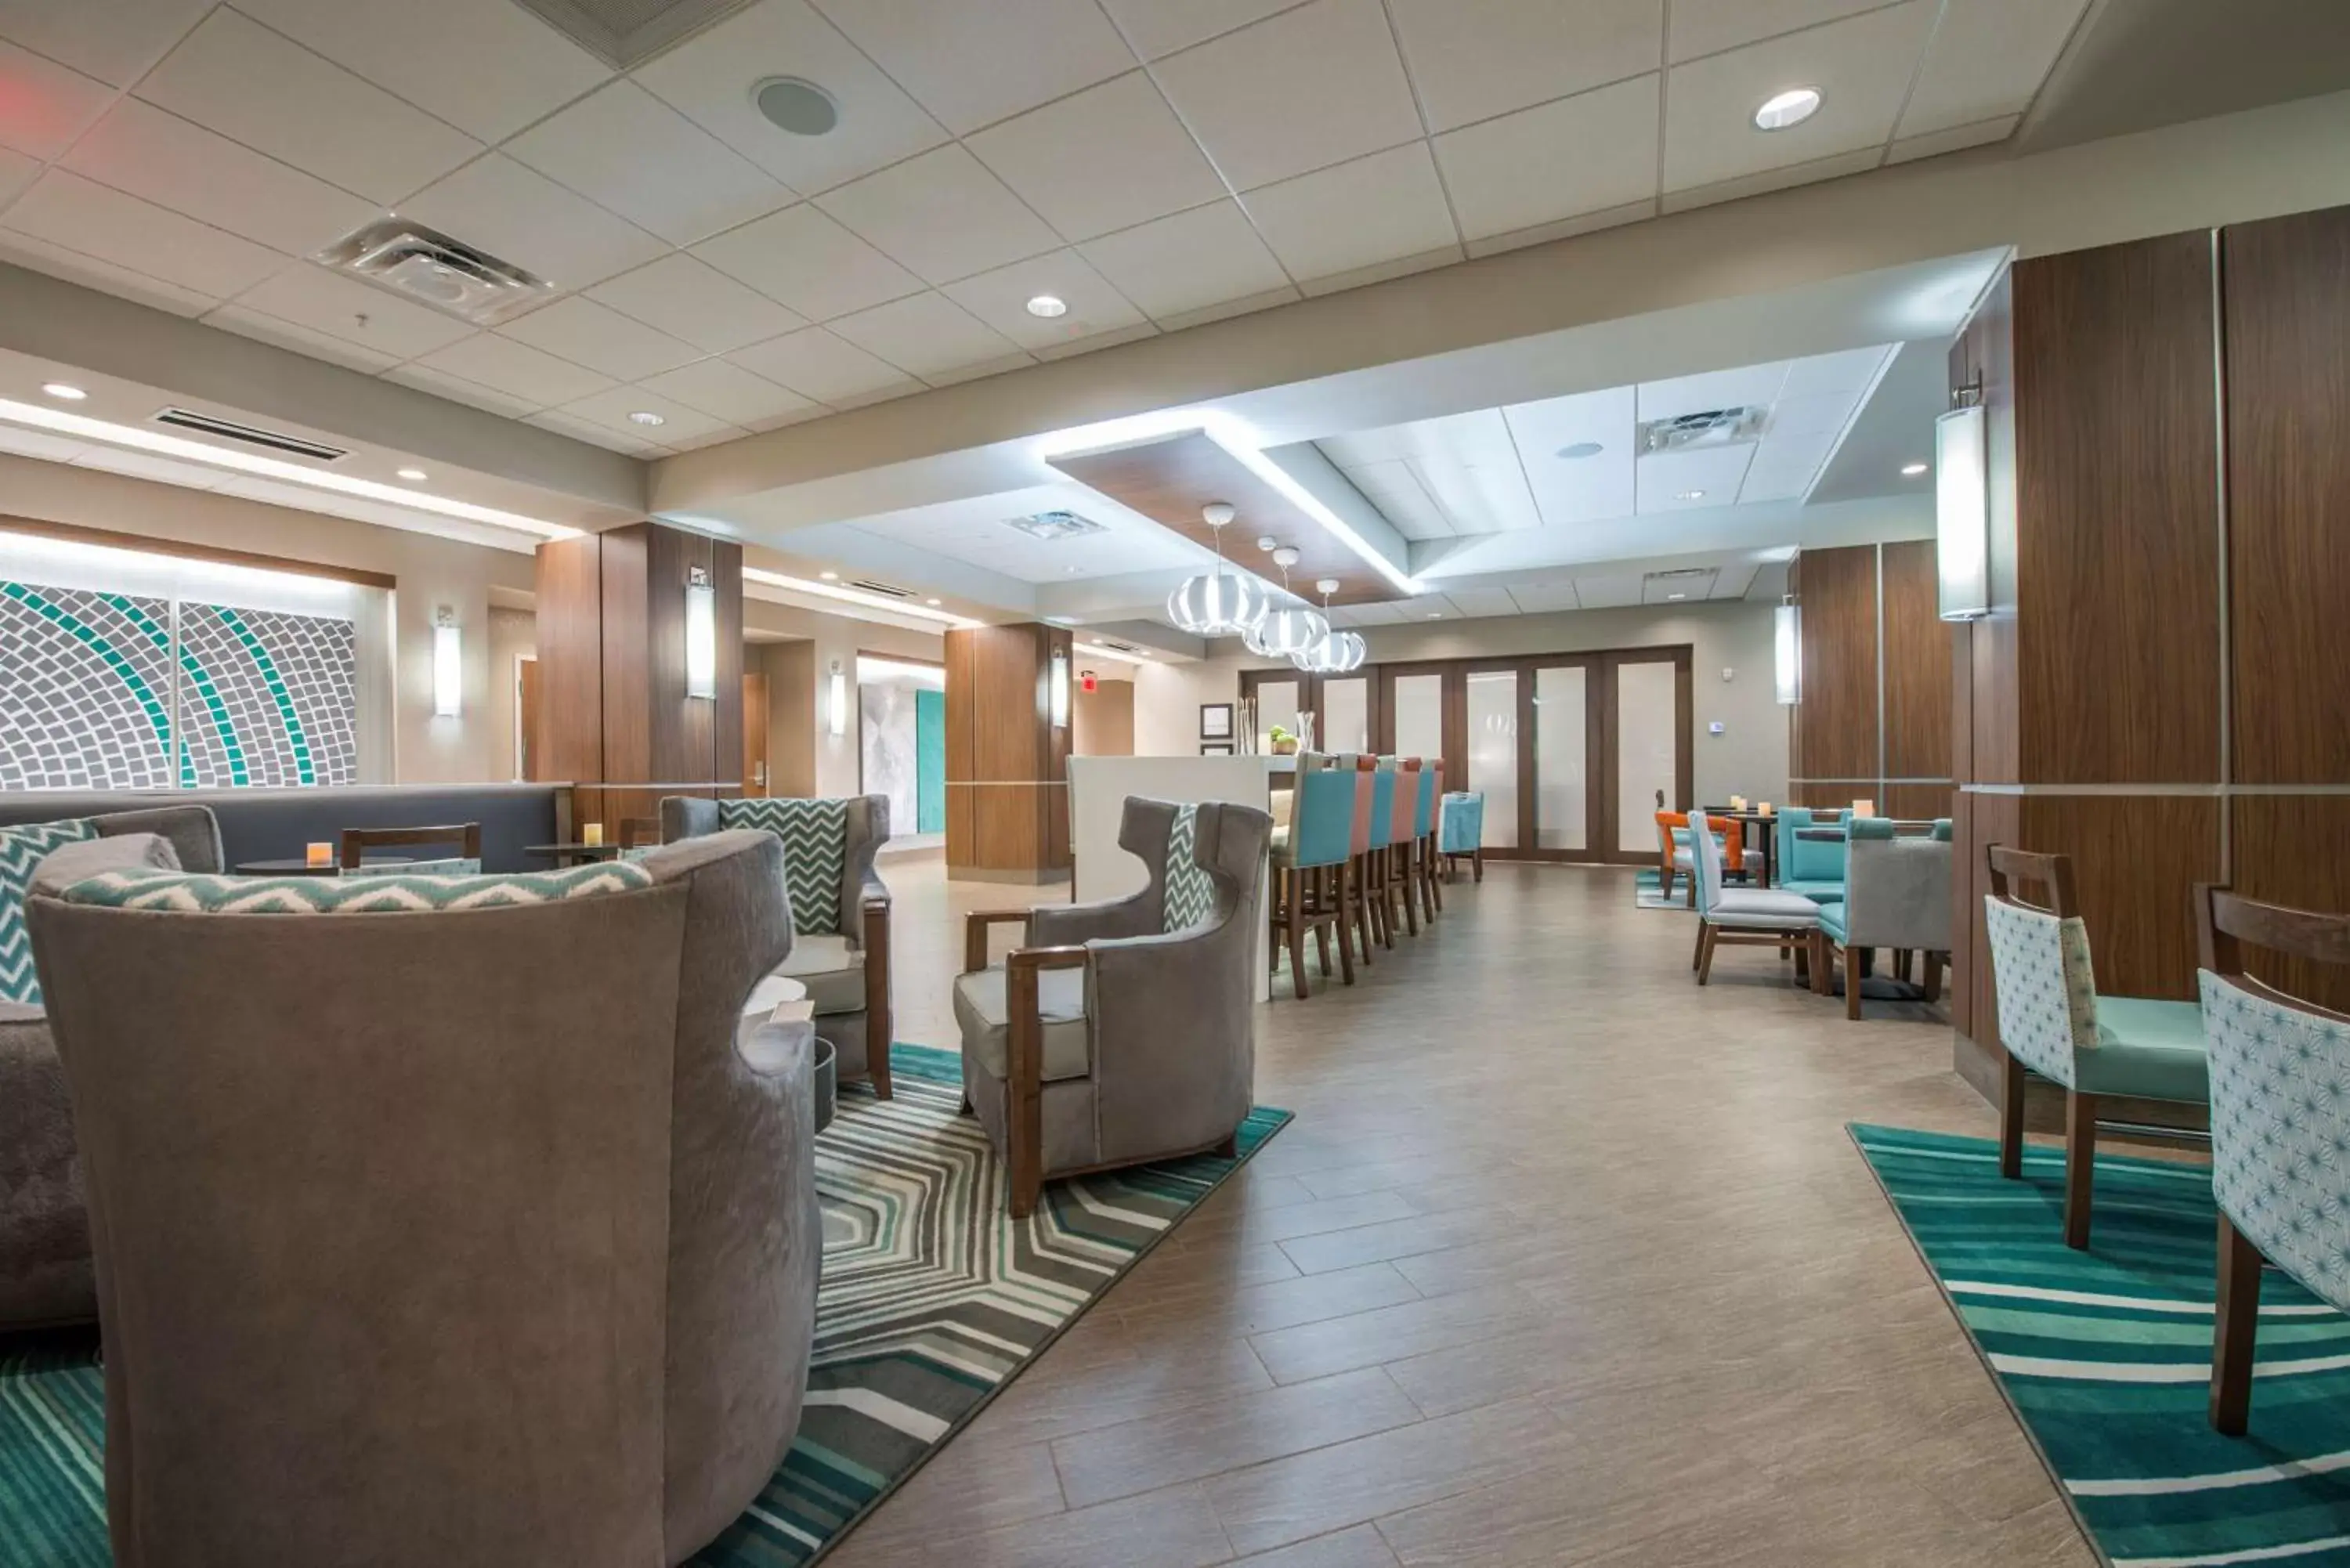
x=320, y=853
x=592, y=833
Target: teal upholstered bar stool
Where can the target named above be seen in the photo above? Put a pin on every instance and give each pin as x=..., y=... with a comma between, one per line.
x=1311, y=861
x=2053, y=1022
x=1812, y=866
x=1376, y=858
x=1423, y=837
x=1461, y=831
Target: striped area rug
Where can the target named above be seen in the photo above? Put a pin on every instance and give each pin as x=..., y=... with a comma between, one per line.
x=2105, y=1355
x=931, y=1302
x=1647, y=892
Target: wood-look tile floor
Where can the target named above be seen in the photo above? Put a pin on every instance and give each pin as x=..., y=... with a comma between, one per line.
x=1564, y=1261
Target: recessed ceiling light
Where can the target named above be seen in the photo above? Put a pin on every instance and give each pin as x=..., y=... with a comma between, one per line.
x=1436, y=615
x=933, y=603
x=646, y=417
x=829, y=576
x=1792, y=107
x=794, y=105
x=1913, y=469
x=1689, y=494
x=1049, y=305
x=414, y=476
x=71, y=394
x=1579, y=450
x=1677, y=595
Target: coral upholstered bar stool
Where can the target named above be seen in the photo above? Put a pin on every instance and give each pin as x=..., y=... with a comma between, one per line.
x=1403, y=807
x=1357, y=903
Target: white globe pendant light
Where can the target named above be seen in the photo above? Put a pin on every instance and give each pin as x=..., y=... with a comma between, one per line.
x=1217, y=602
x=1290, y=630
x=1334, y=652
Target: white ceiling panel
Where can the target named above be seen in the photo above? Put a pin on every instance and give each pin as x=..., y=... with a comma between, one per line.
x=979, y=531
x=1861, y=67
x=942, y=215
x=925, y=335
x=1571, y=491
x=1107, y=158
x=590, y=430
x=1391, y=485
x=1733, y=580
x=727, y=391
x=16, y=172
x=973, y=65
x=1749, y=385
x=1000, y=298
x=803, y=259
x=1582, y=154
x=254, y=85
x=1376, y=209
x=709, y=78
x=248, y=323
x=1188, y=262
x=690, y=299
x=517, y=369
x=1691, y=479
x=1543, y=598
x=1301, y=91
x=1710, y=27
x=1987, y=60
x=1608, y=592
x=1481, y=601
x=1473, y=59
x=351, y=312
x=1658, y=589
x=115, y=41
x=69, y=211
x=149, y=153
x=1785, y=466
x=611, y=410
x=44, y=106
x=520, y=214
x=1933, y=144
x=487, y=69
x=626, y=149
x=816, y=364
x=1157, y=27
x=1850, y=371
x=586, y=333
x=59, y=261
x=441, y=384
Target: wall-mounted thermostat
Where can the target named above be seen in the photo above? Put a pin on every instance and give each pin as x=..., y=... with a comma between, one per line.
x=1717, y=728
x=1728, y=674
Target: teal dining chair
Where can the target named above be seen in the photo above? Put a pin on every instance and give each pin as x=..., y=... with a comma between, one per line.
x=1812, y=866
x=1461, y=831
x=1311, y=861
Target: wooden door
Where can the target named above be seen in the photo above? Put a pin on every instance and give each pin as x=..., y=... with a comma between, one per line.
x=755, y=733
x=526, y=718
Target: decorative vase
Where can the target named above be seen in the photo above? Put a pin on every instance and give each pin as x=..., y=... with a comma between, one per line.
x=1285, y=748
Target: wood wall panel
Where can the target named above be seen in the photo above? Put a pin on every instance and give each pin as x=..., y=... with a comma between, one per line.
x=1918, y=659
x=1006, y=763
x=1984, y=356
x=1838, y=717
x=2136, y=860
x=2295, y=850
x=569, y=740
x=2288, y=338
x=1915, y=802
x=628, y=691
x=2117, y=514
x=728, y=721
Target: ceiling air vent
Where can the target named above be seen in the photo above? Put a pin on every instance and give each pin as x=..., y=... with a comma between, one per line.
x=1713, y=427
x=623, y=32
x=429, y=267
x=886, y=590
x=1052, y=527
x=189, y=420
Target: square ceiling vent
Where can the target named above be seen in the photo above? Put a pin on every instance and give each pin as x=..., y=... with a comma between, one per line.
x=625, y=33
x=1052, y=527
x=429, y=267
x=1709, y=427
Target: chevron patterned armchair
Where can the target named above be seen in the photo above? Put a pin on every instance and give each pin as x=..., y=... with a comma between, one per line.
x=1122, y=1032
x=840, y=910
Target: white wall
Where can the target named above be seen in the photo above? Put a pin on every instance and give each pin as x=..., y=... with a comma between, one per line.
x=1167, y=699
x=834, y=636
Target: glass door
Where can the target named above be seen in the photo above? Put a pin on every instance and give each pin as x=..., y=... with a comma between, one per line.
x=1493, y=724
x=1649, y=728
x=1564, y=800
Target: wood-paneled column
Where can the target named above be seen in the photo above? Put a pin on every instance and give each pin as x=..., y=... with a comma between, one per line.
x=1007, y=760
x=1875, y=719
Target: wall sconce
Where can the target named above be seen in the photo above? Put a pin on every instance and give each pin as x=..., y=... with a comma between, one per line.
x=1787, y=651
x=1962, y=508
x=701, y=634
x=836, y=703
x=448, y=665
x=1060, y=690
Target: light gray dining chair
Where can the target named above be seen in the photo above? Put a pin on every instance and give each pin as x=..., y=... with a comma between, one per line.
x=1896, y=896
x=1751, y=917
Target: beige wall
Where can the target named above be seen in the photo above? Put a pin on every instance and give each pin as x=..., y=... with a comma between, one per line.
x=1166, y=701
x=513, y=637
x=1101, y=724
x=801, y=745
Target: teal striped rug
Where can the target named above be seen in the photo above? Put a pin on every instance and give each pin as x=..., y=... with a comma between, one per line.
x=2105, y=1355
x=932, y=1302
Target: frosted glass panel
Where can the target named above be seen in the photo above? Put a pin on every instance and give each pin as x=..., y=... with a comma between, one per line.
x=1560, y=797
x=1419, y=716
x=1647, y=739
x=1493, y=753
x=1347, y=717
x=1277, y=703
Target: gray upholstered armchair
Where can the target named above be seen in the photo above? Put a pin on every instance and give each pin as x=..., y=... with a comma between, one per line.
x=435, y=1173
x=1897, y=896
x=1124, y=1032
x=44, y=1253
x=840, y=910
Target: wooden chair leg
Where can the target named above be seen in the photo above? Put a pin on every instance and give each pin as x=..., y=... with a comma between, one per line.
x=1228, y=1149
x=1297, y=937
x=1477, y=862
x=1902, y=967
x=1338, y=879
x=2011, y=1119
x=1704, y=953
x=1322, y=942
x=1428, y=858
x=1664, y=882
x=2236, y=1322
x=1933, y=977
x=1404, y=887
x=1813, y=958
x=1697, y=950
x=1851, y=989
x=2080, y=1165
x=1359, y=874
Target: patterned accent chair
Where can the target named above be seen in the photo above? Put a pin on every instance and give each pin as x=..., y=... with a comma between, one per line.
x=1751, y=917
x=476, y=1162
x=46, y=1274
x=2280, y=1121
x=1812, y=866
x=840, y=909
x=1310, y=871
x=1897, y=896
x=2053, y=1022
x=1122, y=1032
x=1461, y=832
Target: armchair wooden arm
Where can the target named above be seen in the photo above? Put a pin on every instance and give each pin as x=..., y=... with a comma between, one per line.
x=974, y=934
x=873, y=913
x=1024, y=1083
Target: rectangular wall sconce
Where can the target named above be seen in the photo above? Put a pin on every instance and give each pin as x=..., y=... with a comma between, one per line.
x=701, y=634
x=448, y=665
x=837, y=700
x=1963, y=513
x=1060, y=690
x=1787, y=651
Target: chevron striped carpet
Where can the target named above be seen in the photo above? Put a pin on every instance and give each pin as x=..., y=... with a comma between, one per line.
x=2105, y=1355
x=931, y=1302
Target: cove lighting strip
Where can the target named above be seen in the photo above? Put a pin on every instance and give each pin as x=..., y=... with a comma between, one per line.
x=855, y=596
x=1246, y=448
x=1099, y=650
x=140, y=440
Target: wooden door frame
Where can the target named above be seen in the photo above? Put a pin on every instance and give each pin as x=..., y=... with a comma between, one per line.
x=1311, y=688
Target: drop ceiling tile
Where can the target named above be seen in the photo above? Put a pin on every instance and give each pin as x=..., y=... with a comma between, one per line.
x=1587, y=488
x=487, y=69
x=1852, y=370
x=1000, y=298
x=942, y=215
x=165, y=160
x=247, y=323
x=1815, y=413
x=1481, y=601
x=1608, y=592
x=690, y=299
x=1188, y=262
x=803, y=259
x=1709, y=27
x=1545, y=598
x=320, y=301
x=706, y=79
x=236, y=76
x=456, y=388
x=115, y=41
x=1376, y=209
x=58, y=261
x=611, y=410
x=16, y=172
x=602, y=435
x=1988, y=59
x=1957, y=139
x=1581, y=154
x=727, y=391
x=1785, y=178
x=1225, y=310
x=69, y=211
x=1071, y=349
x=927, y=334
x=1564, y=229
x=1107, y=158
x=1310, y=87
x=816, y=364
x=1158, y=27
x=1691, y=479
x=1658, y=589
x=1732, y=580
x=489, y=359
x=1472, y=59
x=1861, y=67
x=626, y=149
x=972, y=64
x=586, y=333
x=516, y=213
x=44, y=106
x=977, y=369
